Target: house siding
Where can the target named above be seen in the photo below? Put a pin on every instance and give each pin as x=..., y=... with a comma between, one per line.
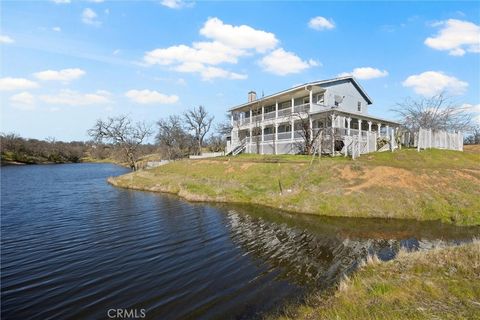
x=350, y=93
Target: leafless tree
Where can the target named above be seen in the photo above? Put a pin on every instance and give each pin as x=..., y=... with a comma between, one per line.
x=216, y=143
x=121, y=132
x=311, y=138
x=225, y=127
x=174, y=141
x=474, y=137
x=199, y=122
x=437, y=113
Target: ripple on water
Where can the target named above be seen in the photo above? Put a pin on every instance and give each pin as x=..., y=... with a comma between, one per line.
x=74, y=247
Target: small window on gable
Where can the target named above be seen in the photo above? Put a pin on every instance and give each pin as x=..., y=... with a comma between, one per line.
x=359, y=106
x=320, y=98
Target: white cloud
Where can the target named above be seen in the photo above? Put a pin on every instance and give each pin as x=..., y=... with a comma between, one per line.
x=321, y=23
x=281, y=62
x=61, y=1
x=365, y=73
x=6, y=39
x=209, y=72
x=10, y=84
x=475, y=108
x=150, y=96
x=90, y=17
x=23, y=101
x=177, y=4
x=64, y=75
x=74, y=98
x=228, y=43
x=457, y=37
x=431, y=83
x=56, y=29
x=201, y=52
x=240, y=37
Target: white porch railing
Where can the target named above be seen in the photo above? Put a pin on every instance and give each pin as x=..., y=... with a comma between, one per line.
x=284, y=112
x=284, y=135
x=302, y=108
x=268, y=137
x=269, y=115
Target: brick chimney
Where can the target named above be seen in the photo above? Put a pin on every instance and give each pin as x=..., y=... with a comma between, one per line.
x=252, y=96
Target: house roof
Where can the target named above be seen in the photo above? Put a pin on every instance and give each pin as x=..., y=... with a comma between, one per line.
x=358, y=115
x=302, y=86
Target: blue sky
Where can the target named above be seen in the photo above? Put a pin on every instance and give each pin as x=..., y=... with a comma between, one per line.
x=65, y=64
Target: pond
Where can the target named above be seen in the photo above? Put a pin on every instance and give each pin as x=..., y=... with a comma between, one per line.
x=75, y=247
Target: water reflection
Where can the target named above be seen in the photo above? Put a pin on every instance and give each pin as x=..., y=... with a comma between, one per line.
x=316, y=251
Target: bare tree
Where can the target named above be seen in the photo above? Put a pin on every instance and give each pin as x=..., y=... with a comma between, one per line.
x=124, y=134
x=174, y=141
x=198, y=121
x=311, y=138
x=216, y=143
x=474, y=137
x=225, y=128
x=436, y=113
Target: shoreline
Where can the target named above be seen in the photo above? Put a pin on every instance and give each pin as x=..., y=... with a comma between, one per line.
x=439, y=282
x=433, y=185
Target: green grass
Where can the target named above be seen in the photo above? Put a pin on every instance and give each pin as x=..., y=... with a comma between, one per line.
x=436, y=284
x=430, y=185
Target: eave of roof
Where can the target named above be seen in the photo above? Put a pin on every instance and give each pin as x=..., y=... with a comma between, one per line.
x=315, y=83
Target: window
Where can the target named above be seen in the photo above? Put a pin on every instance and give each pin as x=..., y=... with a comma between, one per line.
x=359, y=106
x=269, y=109
x=320, y=98
x=286, y=104
x=306, y=100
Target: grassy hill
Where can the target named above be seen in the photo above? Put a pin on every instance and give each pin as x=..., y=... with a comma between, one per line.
x=436, y=284
x=427, y=185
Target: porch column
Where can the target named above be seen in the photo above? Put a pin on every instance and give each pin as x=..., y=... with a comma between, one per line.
x=276, y=109
x=293, y=105
x=261, y=148
x=250, y=115
x=369, y=126
x=263, y=113
x=310, y=128
x=379, y=125
x=333, y=134
x=250, y=140
x=388, y=130
x=359, y=127
x=276, y=138
x=348, y=125
x=292, y=124
x=310, y=100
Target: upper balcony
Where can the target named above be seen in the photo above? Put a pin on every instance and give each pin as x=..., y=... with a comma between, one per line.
x=246, y=119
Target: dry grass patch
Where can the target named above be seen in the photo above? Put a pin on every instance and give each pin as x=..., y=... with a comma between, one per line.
x=437, y=284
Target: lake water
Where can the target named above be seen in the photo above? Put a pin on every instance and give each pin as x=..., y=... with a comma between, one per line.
x=74, y=247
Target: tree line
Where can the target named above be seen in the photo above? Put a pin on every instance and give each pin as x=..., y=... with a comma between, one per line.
x=177, y=136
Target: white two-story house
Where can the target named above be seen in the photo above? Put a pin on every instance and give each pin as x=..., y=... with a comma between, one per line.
x=275, y=124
